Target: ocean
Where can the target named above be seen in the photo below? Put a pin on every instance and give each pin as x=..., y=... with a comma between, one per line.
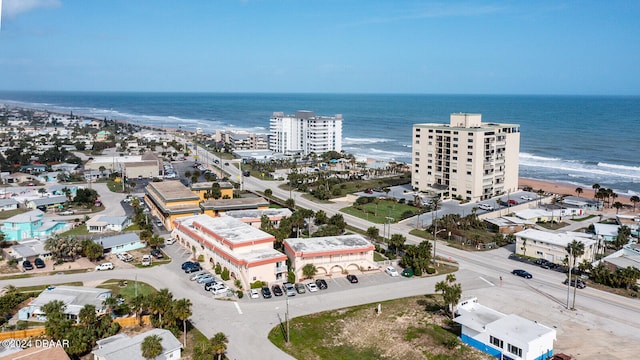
x=580, y=140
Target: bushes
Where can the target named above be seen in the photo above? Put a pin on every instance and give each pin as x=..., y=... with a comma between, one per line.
x=240, y=294
x=225, y=274
x=218, y=269
x=257, y=284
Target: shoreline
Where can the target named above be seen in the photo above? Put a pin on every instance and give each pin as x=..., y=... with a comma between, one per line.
x=551, y=186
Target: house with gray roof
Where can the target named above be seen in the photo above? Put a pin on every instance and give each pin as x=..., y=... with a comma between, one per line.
x=8, y=204
x=123, y=347
x=100, y=224
x=73, y=297
x=120, y=243
x=49, y=202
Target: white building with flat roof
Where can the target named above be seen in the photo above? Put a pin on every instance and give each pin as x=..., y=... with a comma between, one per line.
x=330, y=254
x=467, y=157
x=552, y=246
x=253, y=217
x=123, y=347
x=73, y=297
x=503, y=336
x=305, y=133
x=247, y=252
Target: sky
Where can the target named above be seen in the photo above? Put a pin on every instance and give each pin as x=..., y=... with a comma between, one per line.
x=322, y=46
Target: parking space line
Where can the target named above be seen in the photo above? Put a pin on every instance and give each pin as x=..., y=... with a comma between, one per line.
x=487, y=281
x=238, y=308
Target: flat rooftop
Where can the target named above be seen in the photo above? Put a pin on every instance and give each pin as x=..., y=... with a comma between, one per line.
x=230, y=230
x=559, y=239
x=170, y=191
x=328, y=243
x=258, y=213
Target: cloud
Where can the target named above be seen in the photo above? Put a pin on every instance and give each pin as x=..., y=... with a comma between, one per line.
x=13, y=8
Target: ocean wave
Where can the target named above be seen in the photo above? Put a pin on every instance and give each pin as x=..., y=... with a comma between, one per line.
x=524, y=155
x=378, y=154
x=362, y=141
x=620, y=167
x=581, y=169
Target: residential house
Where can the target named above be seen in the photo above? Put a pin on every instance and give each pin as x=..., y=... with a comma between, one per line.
x=503, y=336
x=8, y=204
x=99, y=224
x=51, y=202
x=27, y=250
x=23, y=226
x=120, y=243
x=536, y=215
x=629, y=255
x=19, y=177
x=73, y=297
x=552, y=246
x=102, y=135
x=330, y=254
x=245, y=251
x=34, y=353
x=123, y=347
x=582, y=203
x=508, y=224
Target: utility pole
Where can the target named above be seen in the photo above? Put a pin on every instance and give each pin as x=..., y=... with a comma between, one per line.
x=569, y=282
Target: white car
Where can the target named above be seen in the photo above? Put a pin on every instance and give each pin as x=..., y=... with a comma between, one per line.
x=486, y=207
x=312, y=287
x=219, y=289
x=126, y=257
x=391, y=271
x=526, y=197
x=170, y=241
x=197, y=276
x=254, y=294
x=104, y=266
x=146, y=260
x=66, y=212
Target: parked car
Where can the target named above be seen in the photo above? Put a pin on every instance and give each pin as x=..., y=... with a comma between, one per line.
x=39, y=263
x=513, y=202
x=170, y=241
x=522, y=273
x=27, y=265
x=209, y=284
x=126, y=257
x=195, y=277
x=526, y=197
x=157, y=253
x=188, y=264
x=277, y=290
x=408, y=272
x=312, y=287
x=486, y=207
x=321, y=284
x=219, y=289
x=266, y=293
x=352, y=279
x=289, y=289
x=391, y=271
x=104, y=266
x=581, y=284
x=66, y=212
x=146, y=260
x=205, y=279
x=300, y=288
x=193, y=268
x=254, y=293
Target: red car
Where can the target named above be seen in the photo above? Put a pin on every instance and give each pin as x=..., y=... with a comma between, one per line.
x=512, y=202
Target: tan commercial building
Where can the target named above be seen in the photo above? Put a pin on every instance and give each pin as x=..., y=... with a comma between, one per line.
x=170, y=200
x=331, y=254
x=245, y=251
x=553, y=246
x=466, y=158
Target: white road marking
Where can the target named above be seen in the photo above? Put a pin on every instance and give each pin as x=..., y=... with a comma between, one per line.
x=487, y=281
x=238, y=308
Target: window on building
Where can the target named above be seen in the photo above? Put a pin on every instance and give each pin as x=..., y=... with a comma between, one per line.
x=539, y=253
x=470, y=140
x=496, y=342
x=514, y=350
x=468, y=172
x=417, y=153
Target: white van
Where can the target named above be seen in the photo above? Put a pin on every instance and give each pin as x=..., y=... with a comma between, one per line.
x=105, y=266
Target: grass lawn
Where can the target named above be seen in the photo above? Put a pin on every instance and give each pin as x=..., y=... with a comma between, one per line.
x=39, y=288
x=78, y=230
x=9, y=213
x=409, y=328
x=584, y=218
x=154, y=263
x=378, y=213
x=553, y=225
x=379, y=257
x=127, y=292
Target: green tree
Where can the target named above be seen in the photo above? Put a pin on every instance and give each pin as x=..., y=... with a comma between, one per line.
x=320, y=217
x=219, y=344
x=151, y=347
x=91, y=249
x=309, y=271
x=373, y=233
x=579, y=191
x=160, y=303
x=451, y=292
x=57, y=325
x=268, y=192
x=290, y=203
x=397, y=242
x=635, y=199
x=87, y=315
x=182, y=311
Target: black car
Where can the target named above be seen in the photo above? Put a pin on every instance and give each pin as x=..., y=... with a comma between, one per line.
x=352, y=279
x=188, y=264
x=321, y=284
x=277, y=290
x=580, y=284
x=522, y=273
x=209, y=285
x=27, y=265
x=193, y=268
x=39, y=263
x=266, y=293
x=157, y=253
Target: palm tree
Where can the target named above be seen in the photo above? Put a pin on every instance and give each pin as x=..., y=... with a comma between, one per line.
x=595, y=188
x=451, y=292
x=151, y=347
x=635, y=199
x=182, y=311
x=618, y=205
x=219, y=343
x=110, y=303
x=161, y=302
x=579, y=191
x=575, y=249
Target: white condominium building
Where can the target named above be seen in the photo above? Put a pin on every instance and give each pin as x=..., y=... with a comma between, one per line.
x=305, y=133
x=467, y=158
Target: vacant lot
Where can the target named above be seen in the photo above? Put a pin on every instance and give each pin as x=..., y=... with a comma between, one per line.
x=409, y=328
x=379, y=212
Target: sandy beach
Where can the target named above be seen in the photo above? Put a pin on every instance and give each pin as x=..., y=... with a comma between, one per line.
x=564, y=189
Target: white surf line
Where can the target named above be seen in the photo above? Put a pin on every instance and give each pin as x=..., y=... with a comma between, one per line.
x=238, y=308
x=487, y=281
